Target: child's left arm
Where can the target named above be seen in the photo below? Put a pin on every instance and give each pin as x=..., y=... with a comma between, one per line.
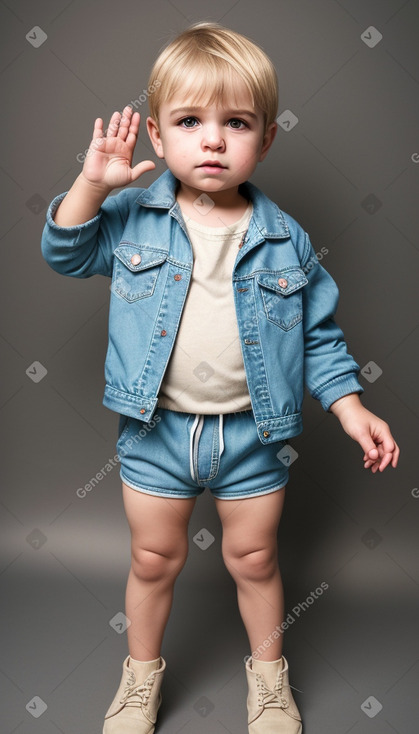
x=372, y=433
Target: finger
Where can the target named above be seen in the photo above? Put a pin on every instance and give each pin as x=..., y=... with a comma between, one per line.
x=98, y=128
x=382, y=459
x=396, y=455
x=388, y=449
x=133, y=129
x=367, y=459
x=385, y=461
x=125, y=123
x=113, y=125
x=387, y=443
x=376, y=465
x=380, y=463
x=371, y=463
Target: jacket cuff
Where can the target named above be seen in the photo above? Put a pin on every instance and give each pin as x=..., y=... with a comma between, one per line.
x=72, y=231
x=338, y=388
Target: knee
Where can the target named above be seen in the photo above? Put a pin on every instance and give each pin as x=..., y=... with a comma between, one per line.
x=149, y=565
x=254, y=565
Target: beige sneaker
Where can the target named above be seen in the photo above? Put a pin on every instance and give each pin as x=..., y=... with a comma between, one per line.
x=271, y=711
x=134, y=708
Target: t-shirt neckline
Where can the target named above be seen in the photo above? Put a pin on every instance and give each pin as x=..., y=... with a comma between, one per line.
x=236, y=228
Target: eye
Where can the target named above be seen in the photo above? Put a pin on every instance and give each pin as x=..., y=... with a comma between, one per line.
x=241, y=122
x=185, y=119
x=236, y=126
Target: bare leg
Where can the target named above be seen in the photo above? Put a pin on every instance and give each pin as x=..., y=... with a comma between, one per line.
x=250, y=555
x=159, y=548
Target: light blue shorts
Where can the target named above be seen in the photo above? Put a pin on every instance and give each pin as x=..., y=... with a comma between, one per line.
x=181, y=454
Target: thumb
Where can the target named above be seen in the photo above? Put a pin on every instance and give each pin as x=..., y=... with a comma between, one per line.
x=368, y=445
x=141, y=168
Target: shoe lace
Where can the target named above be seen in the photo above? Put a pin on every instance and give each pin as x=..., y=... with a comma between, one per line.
x=134, y=693
x=269, y=698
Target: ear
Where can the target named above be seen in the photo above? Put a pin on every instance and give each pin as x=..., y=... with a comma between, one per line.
x=268, y=139
x=154, y=135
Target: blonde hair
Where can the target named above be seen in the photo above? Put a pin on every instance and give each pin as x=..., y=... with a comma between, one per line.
x=203, y=62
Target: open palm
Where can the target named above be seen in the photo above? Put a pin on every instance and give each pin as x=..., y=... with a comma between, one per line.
x=109, y=158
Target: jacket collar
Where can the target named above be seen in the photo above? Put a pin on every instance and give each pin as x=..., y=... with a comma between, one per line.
x=267, y=216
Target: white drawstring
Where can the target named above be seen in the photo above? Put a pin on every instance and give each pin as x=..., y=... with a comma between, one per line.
x=220, y=432
x=195, y=423
x=197, y=427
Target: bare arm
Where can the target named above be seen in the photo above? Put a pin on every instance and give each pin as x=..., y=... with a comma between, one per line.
x=81, y=203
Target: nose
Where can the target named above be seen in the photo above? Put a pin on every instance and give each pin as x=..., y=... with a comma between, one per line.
x=212, y=137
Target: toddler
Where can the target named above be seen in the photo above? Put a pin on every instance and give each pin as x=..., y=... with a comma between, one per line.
x=220, y=313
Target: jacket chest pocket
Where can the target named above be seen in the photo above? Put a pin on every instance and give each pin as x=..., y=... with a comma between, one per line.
x=282, y=298
x=136, y=271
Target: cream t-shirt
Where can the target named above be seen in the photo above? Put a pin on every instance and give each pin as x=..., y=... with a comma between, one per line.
x=205, y=372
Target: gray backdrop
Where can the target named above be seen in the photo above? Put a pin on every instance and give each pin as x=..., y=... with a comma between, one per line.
x=348, y=172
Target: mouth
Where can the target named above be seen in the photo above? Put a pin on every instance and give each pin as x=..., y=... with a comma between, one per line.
x=212, y=166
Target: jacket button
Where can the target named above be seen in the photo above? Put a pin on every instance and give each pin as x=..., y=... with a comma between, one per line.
x=266, y=434
x=282, y=282
x=163, y=332
x=142, y=410
x=178, y=277
x=136, y=259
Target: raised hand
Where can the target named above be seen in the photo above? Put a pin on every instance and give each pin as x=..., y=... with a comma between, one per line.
x=108, y=161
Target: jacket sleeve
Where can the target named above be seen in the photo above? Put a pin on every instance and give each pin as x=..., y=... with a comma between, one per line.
x=86, y=249
x=330, y=372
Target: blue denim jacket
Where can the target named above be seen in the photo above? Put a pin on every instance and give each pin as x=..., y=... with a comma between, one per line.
x=284, y=299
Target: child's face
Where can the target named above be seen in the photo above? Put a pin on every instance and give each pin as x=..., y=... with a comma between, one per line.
x=232, y=136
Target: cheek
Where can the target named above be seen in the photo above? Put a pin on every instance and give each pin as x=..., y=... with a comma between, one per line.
x=177, y=154
x=178, y=144
x=248, y=145
x=179, y=151
x=248, y=153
